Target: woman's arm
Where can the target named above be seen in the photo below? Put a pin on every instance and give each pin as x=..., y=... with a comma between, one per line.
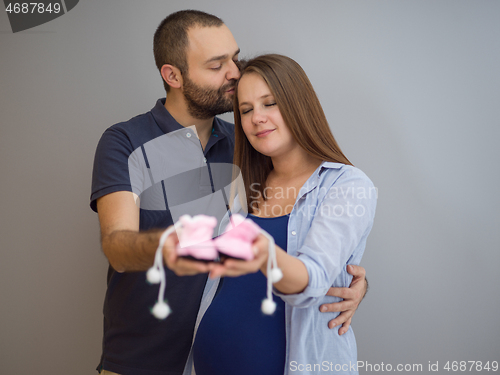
x=337, y=234
x=295, y=276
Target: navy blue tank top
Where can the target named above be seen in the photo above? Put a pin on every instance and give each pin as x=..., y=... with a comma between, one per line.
x=234, y=336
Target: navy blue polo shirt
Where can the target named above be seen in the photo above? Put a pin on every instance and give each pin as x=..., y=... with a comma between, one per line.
x=135, y=342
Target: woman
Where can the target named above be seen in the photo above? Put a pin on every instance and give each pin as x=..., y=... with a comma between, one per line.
x=319, y=208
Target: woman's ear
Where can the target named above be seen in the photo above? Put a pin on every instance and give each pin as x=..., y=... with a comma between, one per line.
x=171, y=75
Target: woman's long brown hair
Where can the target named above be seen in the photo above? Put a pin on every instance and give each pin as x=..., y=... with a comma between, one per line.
x=301, y=112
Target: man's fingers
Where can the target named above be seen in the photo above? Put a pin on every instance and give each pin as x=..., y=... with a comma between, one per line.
x=344, y=293
x=345, y=327
x=172, y=256
x=181, y=266
x=169, y=249
x=181, y=270
x=185, y=267
x=356, y=271
x=337, y=306
x=351, y=297
x=341, y=319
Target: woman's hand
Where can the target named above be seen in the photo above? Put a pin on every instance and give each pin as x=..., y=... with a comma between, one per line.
x=234, y=267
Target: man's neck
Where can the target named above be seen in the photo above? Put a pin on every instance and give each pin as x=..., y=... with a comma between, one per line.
x=177, y=108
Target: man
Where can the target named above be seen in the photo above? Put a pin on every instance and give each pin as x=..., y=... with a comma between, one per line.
x=198, y=60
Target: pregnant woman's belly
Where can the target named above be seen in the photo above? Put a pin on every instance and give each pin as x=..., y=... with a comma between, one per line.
x=234, y=336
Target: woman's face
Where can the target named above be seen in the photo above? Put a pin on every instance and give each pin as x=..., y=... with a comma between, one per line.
x=261, y=118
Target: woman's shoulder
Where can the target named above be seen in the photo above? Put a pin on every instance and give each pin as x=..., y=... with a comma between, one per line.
x=346, y=182
x=334, y=173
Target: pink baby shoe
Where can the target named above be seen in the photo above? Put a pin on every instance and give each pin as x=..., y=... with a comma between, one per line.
x=237, y=239
x=195, y=240
x=195, y=237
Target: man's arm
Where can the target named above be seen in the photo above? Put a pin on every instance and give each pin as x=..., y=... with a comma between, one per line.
x=126, y=248
x=123, y=245
x=352, y=298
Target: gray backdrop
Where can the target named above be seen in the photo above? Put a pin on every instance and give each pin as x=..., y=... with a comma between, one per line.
x=411, y=90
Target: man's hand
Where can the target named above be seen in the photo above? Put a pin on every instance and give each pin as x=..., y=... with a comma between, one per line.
x=182, y=266
x=352, y=297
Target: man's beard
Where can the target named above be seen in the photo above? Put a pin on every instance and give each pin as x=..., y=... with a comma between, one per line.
x=204, y=103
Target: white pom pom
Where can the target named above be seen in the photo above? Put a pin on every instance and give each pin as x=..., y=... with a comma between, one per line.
x=268, y=306
x=153, y=275
x=161, y=310
x=275, y=275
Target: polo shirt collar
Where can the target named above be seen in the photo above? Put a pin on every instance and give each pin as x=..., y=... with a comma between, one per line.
x=168, y=124
x=217, y=129
x=163, y=118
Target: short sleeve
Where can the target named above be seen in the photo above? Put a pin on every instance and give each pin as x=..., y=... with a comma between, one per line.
x=111, y=171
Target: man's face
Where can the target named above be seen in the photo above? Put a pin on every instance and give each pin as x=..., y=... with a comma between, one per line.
x=208, y=86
